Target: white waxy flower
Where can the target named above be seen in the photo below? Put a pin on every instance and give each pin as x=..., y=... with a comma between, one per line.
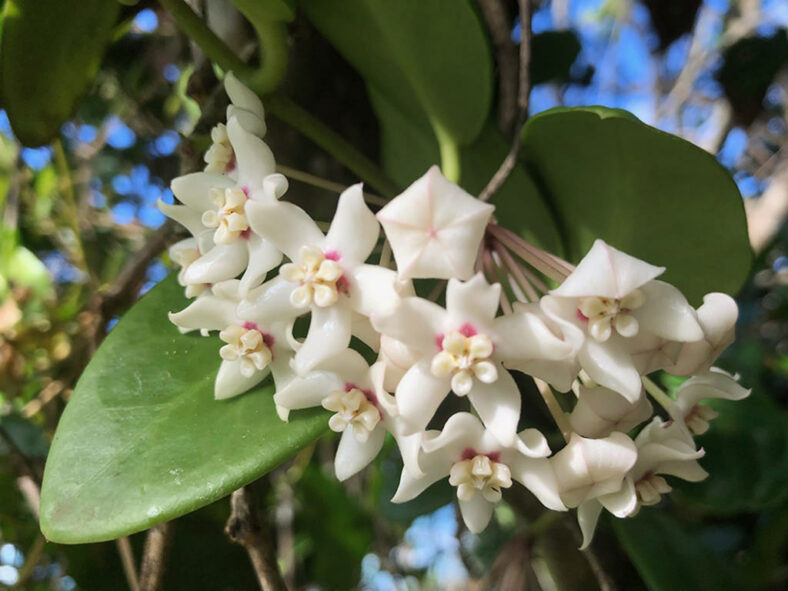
x=480, y=467
x=435, y=228
x=716, y=383
x=184, y=253
x=662, y=450
x=247, y=108
x=613, y=297
x=327, y=276
x=363, y=410
x=463, y=348
x=592, y=474
x=717, y=317
x=252, y=349
x=214, y=211
x=600, y=411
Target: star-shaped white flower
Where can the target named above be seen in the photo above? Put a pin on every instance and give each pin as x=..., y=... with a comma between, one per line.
x=363, y=410
x=463, y=348
x=214, y=211
x=252, y=349
x=326, y=277
x=480, y=467
x=591, y=473
x=613, y=297
x=663, y=449
x=435, y=228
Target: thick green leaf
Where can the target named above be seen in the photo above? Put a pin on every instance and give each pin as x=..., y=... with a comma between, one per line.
x=667, y=557
x=430, y=58
x=50, y=52
x=552, y=56
x=143, y=441
x=409, y=149
x=649, y=193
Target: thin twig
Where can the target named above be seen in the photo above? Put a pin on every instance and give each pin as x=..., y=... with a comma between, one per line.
x=154, y=556
x=248, y=527
x=500, y=29
x=127, y=560
x=523, y=94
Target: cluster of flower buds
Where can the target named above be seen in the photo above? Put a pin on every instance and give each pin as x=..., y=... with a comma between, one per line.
x=606, y=325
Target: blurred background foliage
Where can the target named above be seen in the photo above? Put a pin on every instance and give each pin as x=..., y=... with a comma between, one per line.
x=81, y=236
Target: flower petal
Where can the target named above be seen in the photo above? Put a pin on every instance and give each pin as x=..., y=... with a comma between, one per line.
x=222, y=262
x=587, y=517
x=194, y=189
x=253, y=157
x=474, y=301
x=462, y=430
x=309, y=391
x=207, y=312
x=538, y=476
x=329, y=333
x=416, y=322
x=353, y=456
x=607, y=272
x=418, y=396
x=269, y=302
x=622, y=502
x=286, y=225
x=610, y=365
x=241, y=96
x=522, y=336
x=354, y=230
x=373, y=290
x=186, y=216
x=263, y=256
x=498, y=405
x=476, y=512
x=230, y=382
x=667, y=313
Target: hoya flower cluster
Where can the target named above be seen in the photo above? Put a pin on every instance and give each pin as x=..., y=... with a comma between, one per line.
x=256, y=265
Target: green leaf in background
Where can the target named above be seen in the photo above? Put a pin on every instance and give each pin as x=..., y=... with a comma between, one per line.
x=649, y=193
x=333, y=529
x=272, y=10
x=747, y=457
x=430, y=58
x=667, y=557
x=143, y=441
x=49, y=54
x=409, y=149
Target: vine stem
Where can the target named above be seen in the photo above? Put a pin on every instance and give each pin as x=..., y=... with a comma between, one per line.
x=321, y=183
x=333, y=143
x=279, y=105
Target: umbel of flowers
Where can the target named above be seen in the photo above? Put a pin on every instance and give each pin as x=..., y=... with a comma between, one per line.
x=255, y=264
